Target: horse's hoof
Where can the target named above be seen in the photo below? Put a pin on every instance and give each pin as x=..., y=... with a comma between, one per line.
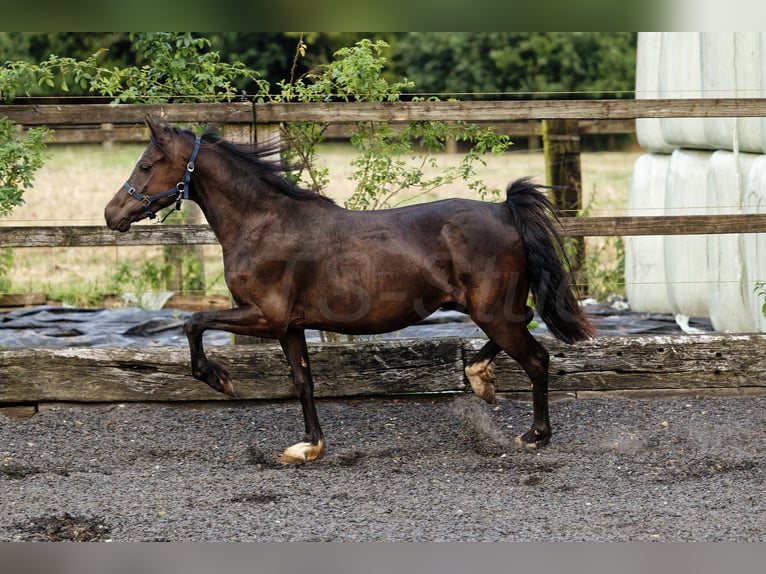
x=227, y=388
x=302, y=452
x=482, y=380
x=217, y=377
x=533, y=439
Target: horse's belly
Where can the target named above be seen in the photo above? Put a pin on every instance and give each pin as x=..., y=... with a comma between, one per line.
x=362, y=312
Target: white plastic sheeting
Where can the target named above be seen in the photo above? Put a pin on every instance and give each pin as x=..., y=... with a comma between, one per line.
x=680, y=76
x=645, y=280
x=712, y=275
x=701, y=65
x=728, y=298
x=649, y=130
x=731, y=68
x=686, y=255
x=754, y=244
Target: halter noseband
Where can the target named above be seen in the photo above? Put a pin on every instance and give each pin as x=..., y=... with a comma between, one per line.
x=181, y=189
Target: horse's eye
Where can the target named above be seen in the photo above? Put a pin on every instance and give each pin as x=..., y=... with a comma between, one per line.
x=145, y=167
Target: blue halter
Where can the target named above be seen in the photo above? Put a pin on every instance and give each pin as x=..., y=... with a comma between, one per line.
x=181, y=189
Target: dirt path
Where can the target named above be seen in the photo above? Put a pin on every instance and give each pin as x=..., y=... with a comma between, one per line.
x=682, y=468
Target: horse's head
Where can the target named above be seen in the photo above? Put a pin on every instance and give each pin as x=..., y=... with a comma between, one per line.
x=160, y=178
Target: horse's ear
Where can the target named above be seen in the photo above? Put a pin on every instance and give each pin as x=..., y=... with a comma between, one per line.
x=159, y=133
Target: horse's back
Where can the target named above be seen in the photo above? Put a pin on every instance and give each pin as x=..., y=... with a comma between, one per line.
x=442, y=223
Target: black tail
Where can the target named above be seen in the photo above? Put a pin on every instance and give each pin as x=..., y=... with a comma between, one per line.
x=535, y=219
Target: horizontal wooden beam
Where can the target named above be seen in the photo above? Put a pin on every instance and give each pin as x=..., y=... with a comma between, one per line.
x=101, y=236
x=509, y=110
x=201, y=234
x=663, y=225
x=88, y=114
x=382, y=367
x=474, y=111
x=97, y=133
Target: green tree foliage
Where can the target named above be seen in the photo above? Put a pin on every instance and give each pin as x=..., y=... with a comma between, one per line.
x=515, y=64
x=392, y=161
x=520, y=64
x=170, y=66
x=21, y=155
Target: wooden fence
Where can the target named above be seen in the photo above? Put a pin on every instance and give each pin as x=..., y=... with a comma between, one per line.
x=632, y=364
x=254, y=117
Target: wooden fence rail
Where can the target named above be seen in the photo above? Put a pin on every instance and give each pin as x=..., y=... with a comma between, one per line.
x=133, y=133
x=201, y=234
x=334, y=112
x=339, y=112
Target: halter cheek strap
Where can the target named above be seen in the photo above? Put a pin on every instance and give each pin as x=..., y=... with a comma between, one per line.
x=181, y=189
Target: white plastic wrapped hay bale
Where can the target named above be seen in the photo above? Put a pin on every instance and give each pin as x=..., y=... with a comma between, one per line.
x=729, y=301
x=649, y=130
x=680, y=76
x=731, y=68
x=751, y=75
x=754, y=244
x=762, y=59
x=645, y=280
x=686, y=255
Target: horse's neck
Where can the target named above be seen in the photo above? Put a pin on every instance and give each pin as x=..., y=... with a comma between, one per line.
x=233, y=209
x=224, y=206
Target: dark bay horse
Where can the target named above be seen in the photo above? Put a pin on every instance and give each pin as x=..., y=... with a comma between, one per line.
x=294, y=260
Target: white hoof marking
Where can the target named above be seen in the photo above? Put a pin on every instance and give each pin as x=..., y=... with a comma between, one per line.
x=302, y=452
x=482, y=380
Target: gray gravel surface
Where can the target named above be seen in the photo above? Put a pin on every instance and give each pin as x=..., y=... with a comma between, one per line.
x=683, y=468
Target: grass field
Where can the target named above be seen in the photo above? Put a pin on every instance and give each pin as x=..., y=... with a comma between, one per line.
x=78, y=181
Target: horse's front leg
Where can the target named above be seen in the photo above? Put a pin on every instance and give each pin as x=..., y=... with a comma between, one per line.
x=294, y=345
x=247, y=320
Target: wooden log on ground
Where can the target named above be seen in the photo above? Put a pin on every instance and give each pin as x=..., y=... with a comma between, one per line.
x=382, y=367
x=95, y=374
x=15, y=300
x=645, y=362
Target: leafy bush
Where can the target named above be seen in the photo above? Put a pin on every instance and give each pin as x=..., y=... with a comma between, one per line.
x=173, y=66
x=21, y=155
x=388, y=170
x=6, y=261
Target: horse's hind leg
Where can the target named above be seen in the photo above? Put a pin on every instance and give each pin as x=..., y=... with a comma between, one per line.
x=479, y=371
x=479, y=368
x=534, y=359
x=296, y=352
x=516, y=340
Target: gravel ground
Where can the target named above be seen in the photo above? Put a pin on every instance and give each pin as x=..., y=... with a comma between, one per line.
x=683, y=468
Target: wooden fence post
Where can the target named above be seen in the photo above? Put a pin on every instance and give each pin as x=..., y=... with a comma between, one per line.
x=108, y=142
x=561, y=145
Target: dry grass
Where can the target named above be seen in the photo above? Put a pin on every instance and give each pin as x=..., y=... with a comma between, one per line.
x=78, y=181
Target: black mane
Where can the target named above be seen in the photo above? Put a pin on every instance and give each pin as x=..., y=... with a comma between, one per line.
x=251, y=159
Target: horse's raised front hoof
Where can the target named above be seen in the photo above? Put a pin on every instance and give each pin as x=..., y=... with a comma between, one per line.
x=302, y=452
x=217, y=377
x=533, y=439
